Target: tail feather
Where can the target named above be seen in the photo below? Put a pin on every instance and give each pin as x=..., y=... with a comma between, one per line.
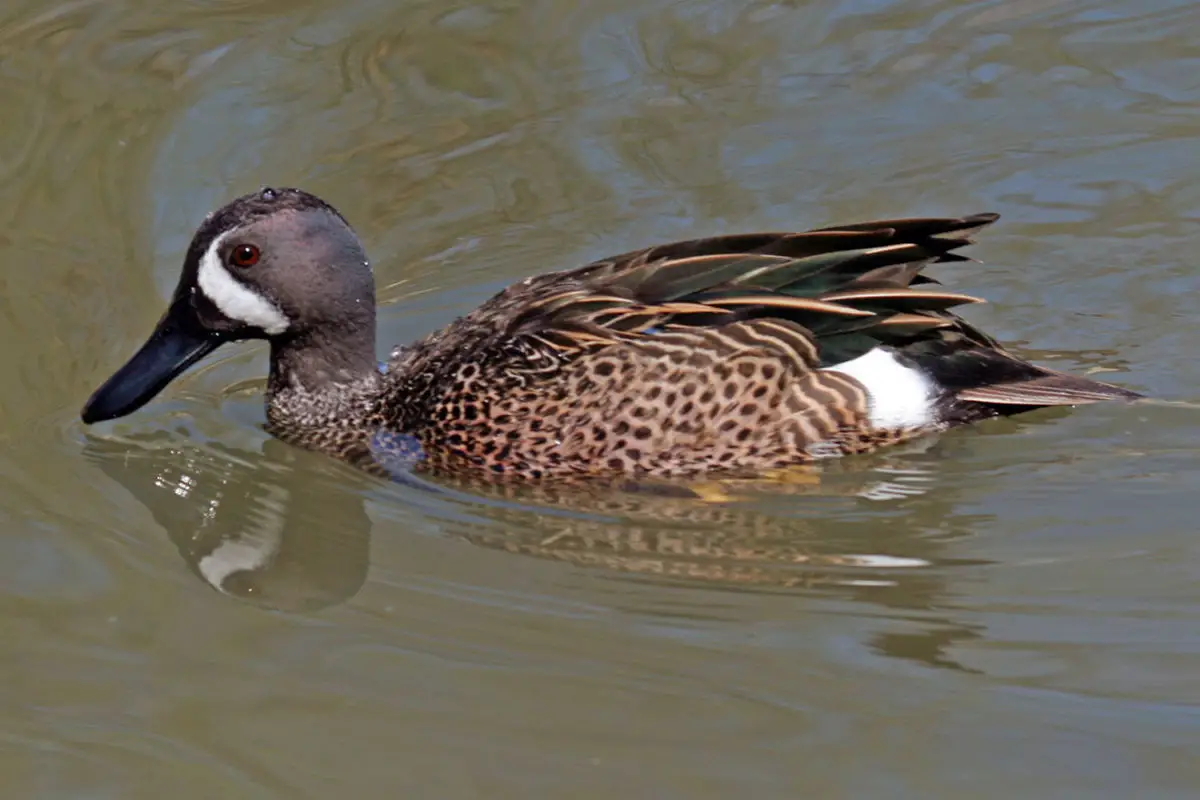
x=1050, y=389
x=924, y=227
x=974, y=374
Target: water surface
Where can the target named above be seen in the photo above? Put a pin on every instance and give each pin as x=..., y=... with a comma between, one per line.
x=193, y=610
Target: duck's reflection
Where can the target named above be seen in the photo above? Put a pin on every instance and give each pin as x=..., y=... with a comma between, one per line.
x=287, y=529
x=269, y=528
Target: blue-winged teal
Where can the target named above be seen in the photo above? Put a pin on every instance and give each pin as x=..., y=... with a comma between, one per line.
x=733, y=354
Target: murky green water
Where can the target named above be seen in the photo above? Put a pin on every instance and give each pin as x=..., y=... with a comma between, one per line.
x=192, y=610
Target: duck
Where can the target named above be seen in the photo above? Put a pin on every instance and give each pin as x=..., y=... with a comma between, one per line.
x=734, y=354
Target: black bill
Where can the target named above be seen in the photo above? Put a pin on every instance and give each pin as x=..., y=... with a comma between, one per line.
x=178, y=341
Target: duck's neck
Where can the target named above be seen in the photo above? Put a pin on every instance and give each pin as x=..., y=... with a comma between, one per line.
x=325, y=367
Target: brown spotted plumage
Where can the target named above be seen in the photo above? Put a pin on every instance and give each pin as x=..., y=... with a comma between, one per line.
x=733, y=354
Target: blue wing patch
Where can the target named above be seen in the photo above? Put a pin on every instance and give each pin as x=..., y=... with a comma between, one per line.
x=397, y=453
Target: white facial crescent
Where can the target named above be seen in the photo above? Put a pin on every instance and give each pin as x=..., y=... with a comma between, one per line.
x=233, y=298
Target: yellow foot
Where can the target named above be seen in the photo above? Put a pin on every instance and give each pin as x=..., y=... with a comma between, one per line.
x=721, y=491
x=711, y=492
x=802, y=474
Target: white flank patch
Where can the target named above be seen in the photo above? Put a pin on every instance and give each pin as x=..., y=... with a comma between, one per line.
x=234, y=299
x=898, y=396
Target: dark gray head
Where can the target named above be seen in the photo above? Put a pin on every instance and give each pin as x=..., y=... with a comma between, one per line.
x=278, y=264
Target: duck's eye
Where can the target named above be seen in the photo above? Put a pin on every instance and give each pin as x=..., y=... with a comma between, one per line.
x=244, y=255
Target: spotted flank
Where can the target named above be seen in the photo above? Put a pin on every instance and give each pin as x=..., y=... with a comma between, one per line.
x=741, y=355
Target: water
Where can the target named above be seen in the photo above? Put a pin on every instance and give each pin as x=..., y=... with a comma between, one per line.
x=192, y=610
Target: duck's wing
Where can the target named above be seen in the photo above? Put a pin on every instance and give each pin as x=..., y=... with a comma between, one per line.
x=846, y=290
x=862, y=279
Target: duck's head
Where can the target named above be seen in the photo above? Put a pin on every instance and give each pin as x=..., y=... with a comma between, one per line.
x=278, y=264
